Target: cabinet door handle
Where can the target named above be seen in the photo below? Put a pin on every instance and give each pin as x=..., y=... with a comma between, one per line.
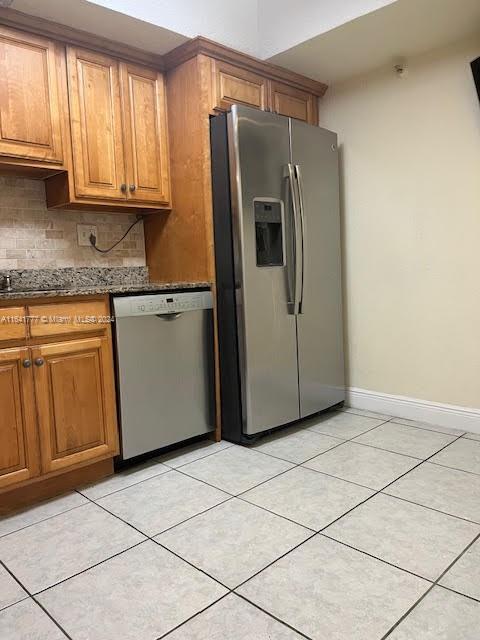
x=123, y=188
x=39, y=362
x=132, y=188
x=27, y=363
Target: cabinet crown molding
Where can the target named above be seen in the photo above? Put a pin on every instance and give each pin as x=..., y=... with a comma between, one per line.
x=201, y=45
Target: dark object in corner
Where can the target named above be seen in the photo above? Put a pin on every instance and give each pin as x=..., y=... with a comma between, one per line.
x=475, y=64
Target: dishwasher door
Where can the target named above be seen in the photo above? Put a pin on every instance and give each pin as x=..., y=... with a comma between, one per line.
x=166, y=379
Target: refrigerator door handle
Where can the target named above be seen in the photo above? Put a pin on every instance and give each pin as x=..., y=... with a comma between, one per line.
x=298, y=176
x=293, y=266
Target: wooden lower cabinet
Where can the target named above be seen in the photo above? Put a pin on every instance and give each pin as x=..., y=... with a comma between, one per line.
x=75, y=402
x=58, y=419
x=19, y=453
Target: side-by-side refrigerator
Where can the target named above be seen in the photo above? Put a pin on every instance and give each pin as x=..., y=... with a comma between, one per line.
x=277, y=239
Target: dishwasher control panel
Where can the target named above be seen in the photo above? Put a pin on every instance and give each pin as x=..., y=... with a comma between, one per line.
x=162, y=303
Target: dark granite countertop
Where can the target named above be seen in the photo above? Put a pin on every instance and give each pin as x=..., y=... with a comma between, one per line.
x=69, y=282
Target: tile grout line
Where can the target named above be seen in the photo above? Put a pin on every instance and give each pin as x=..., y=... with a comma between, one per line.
x=396, y=419
x=286, y=624
x=205, y=573
x=273, y=513
x=462, y=553
x=213, y=453
x=371, y=555
x=459, y=593
x=14, y=577
x=446, y=466
x=435, y=583
x=79, y=573
x=156, y=475
x=160, y=533
x=178, y=626
x=445, y=513
x=32, y=597
x=12, y=604
x=254, y=575
x=4, y=535
x=134, y=484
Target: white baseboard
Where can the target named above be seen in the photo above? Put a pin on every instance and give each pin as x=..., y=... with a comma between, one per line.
x=445, y=415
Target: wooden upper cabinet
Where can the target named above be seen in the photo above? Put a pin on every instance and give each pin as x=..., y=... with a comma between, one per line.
x=30, y=125
x=118, y=124
x=234, y=85
x=295, y=103
x=19, y=454
x=145, y=130
x=96, y=124
x=75, y=402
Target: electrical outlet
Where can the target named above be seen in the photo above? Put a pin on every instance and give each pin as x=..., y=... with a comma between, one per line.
x=84, y=231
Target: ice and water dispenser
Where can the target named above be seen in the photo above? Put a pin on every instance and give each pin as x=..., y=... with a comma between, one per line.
x=269, y=233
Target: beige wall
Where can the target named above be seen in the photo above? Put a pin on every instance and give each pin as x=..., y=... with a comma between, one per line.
x=32, y=237
x=410, y=153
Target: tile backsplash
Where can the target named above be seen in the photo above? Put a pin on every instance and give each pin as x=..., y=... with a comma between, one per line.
x=32, y=236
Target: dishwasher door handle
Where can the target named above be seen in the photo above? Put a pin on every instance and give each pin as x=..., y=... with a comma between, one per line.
x=169, y=316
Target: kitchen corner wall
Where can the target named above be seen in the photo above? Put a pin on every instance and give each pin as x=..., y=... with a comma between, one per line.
x=410, y=163
x=33, y=237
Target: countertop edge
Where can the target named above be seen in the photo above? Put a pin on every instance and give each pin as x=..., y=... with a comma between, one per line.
x=112, y=289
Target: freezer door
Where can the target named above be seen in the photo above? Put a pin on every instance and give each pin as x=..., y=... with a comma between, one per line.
x=262, y=241
x=319, y=323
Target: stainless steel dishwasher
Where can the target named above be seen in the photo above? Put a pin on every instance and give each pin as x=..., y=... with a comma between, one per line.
x=164, y=349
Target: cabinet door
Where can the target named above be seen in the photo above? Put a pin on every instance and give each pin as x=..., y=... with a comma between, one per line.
x=19, y=453
x=75, y=402
x=234, y=85
x=292, y=102
x=146, y=141
x=96, y=125
x=29, y=100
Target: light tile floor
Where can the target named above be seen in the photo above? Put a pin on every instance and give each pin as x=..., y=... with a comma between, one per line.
x=353, y=526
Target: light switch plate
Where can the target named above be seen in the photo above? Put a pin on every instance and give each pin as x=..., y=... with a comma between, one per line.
x=84, y=231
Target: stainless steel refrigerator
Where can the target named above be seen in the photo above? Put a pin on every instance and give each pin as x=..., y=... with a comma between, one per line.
x=277, y=243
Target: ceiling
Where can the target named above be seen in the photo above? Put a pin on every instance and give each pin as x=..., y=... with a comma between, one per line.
x=104, y=22
x=399, y=30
